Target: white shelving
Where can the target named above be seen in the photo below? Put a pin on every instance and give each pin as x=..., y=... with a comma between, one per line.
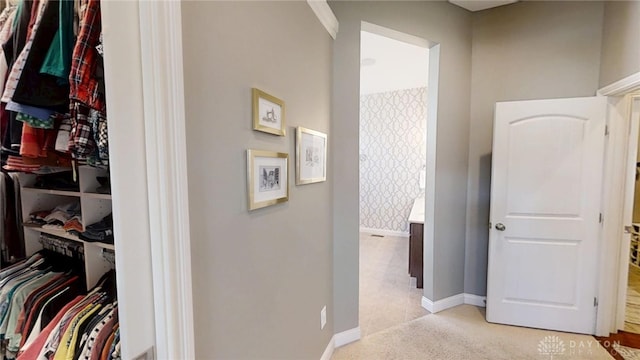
x=94, y=206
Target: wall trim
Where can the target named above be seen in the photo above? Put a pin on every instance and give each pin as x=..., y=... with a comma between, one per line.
x=325, y=15
x=164, y=121
x=347, y=337
x=444, y=304
x=475, y=300
x=384, y=232
x=328, y=351
x=621, y=87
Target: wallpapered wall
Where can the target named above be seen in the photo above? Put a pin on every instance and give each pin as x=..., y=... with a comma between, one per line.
x=392, y=153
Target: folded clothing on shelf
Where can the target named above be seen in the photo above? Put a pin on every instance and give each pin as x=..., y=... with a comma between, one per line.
x=57, y=181
x=62, y=217
x=102, y=231
x=16, y=163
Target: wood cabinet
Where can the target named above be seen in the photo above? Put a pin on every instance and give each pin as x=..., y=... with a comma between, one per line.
x=416, y=252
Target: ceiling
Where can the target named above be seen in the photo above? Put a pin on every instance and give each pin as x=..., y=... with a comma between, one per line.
x=477, y=5
x=388, y=65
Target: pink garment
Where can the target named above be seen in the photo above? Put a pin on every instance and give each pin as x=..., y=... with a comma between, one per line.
x=34, y=350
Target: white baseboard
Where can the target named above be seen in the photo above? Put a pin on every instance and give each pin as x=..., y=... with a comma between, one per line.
x=328, y=352
x=340, y=339
x=439, y=305
x=476, y=300
x=452, y=301
x=384, y=232
x=346, y=337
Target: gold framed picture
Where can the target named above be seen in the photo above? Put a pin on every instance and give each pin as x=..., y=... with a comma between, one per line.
x=267, y=178
x=311, y=156
x=268, y=113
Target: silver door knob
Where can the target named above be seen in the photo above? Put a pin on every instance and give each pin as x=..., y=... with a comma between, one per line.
x=500, y=227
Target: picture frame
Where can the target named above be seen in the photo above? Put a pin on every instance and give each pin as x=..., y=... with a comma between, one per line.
x=267, y=178
x=311, y=156
x=268, y=113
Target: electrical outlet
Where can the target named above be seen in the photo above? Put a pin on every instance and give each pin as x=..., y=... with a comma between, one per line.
x=323, y=317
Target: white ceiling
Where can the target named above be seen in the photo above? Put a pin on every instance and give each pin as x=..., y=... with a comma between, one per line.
x=387, y=64
x=477, y=5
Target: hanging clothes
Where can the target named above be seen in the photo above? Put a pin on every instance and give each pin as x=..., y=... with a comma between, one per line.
x=11, y=50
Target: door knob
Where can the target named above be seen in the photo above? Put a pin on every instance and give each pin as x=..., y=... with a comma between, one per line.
x=500, y=227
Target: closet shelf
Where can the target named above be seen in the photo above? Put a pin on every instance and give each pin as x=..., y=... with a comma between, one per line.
x=66, y=235
x=97, y=196
x=52, y=192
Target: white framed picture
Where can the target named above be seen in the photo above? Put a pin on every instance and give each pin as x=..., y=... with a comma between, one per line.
x=311, y=156
x=267, y=178
x=268, y=113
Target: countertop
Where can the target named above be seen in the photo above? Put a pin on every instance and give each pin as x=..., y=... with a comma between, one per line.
x=417, y=212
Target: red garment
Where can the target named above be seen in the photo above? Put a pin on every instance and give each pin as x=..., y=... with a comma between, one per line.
x=29, y=318
x=23, y=313
x=33, y=350
x=73, y=224
x=32, y=142
x=107, y=346
x=16, y=163
x=99, y=343
x=84, y=85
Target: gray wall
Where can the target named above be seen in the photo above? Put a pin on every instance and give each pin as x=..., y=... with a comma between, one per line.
x=439, y=22
x=620, y=41
x=260, y=278
x=528, y=50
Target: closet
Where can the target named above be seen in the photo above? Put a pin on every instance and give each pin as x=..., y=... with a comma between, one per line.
x=65, y=225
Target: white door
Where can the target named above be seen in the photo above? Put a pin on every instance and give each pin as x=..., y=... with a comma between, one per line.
x=545, y=213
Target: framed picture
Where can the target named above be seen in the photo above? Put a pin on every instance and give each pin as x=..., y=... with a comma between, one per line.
x=311, y=156
x=267, y=178
x=268, y=113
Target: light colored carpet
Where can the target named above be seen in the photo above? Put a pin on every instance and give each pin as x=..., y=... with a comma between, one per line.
x=463, y=333
x=388, y=295
x=627, y=353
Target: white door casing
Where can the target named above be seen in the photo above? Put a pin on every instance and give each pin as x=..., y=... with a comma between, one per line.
x=627, y=211
x=546, y=191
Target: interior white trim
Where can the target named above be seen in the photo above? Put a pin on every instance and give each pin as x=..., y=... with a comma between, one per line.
x=384, y=232
x=444, y=304
x=325, y=15
x=328, y=351
x=347, y=337
x=612, y=206
x=396, y=35
x=475, y=300
x=164, y=119
x=621, y=87
x=429, y=233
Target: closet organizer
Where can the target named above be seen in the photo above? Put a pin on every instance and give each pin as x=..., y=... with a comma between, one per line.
x=58, y=297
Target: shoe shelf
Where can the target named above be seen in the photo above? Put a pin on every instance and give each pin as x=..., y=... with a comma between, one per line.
x=93, y=207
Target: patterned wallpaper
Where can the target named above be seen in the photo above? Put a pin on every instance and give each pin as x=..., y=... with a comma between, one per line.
x=392, y=153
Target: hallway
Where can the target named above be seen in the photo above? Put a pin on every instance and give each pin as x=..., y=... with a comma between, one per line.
x=388, y=296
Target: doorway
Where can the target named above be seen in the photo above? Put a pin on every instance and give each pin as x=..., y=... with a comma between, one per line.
x=392, y=171
x=629, y=302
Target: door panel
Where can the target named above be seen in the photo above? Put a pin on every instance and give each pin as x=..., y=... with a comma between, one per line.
x=546, y=191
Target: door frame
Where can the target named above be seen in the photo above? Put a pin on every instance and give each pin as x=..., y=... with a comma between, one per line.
x=613, y=257
x=145, y=91
x=628, y=199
